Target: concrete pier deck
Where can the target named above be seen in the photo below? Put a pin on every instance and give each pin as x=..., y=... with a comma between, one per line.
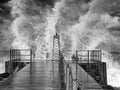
x=43, y=75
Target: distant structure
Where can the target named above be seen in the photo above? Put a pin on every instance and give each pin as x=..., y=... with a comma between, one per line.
x=56, y=47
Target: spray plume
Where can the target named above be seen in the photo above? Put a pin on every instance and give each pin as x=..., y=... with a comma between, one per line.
x=81, y=24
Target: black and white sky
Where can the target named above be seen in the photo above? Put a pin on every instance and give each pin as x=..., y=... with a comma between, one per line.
x=5, y=9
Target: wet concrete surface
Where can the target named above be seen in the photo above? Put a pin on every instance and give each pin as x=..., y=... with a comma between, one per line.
x=41, y=75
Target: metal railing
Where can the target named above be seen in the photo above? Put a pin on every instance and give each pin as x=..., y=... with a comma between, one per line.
x=89, y=55
x=65, y=74
x=15, y=58
x=18, y=57
x=21, y=55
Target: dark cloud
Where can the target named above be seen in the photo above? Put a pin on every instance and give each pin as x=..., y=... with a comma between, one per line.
x=4, y=11
x=4, y=1
x=87, y=0
x=45, y=2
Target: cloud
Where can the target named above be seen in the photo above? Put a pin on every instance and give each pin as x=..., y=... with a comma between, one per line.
x=105, y=6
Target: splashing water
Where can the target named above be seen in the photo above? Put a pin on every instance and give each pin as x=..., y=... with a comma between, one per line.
x=81, y=24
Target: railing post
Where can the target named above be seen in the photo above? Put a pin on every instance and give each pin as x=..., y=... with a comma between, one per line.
x=19, y=57
x=30, y=56
x=16, y=57
x=69, y=79
x=76, y=66
x=11, y=63
x=66, y=75
x=72, y=79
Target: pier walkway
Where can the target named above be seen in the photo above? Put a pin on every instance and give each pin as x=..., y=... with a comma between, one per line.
x=41, y=75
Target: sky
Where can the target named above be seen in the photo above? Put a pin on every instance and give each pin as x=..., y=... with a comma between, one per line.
x=5, y=9
x=4, y=1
